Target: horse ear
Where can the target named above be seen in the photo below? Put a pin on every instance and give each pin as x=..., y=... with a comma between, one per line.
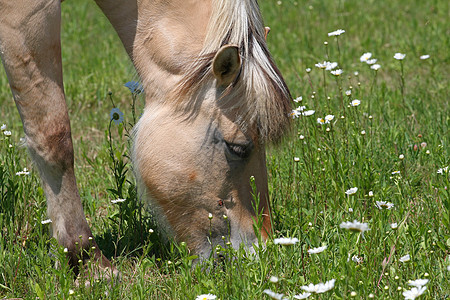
x=226, y=65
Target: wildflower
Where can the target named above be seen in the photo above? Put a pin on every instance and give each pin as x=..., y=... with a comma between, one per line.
x=370, y=194
x=273, y=279
x=423, y=144
x=426, y=56
x=395, y=173
x=353, y=294
x=71, y=292
x=401, y=156
x=308, y=113
x=317, y=250
x=442, y=170
x=355, y=226
x=118, y=201
x=405, y=258
x=46, y=221
x=321, y=65
x=320, y=121
x=7, y=133
x=394, y=226
x=350, y=210
x=371, y=61
x=418, y=282
x=337, y=72
x=399, y=56
x=308, y=70
x=210, y=216
x=331, y=66
x=355, y=102
x=301, y=136
x=414, y=292
x=24, y=172
x=351, y=191
x=365, y=57
x=336, y=32
x=272, y=294
x=357, y=259
x=383, y=204
x=286, y=241
x=116, y=116
x=295, y=113
x=65, y=250
x=371, y=296
x=134, y=87
x=375, y=67
x=363, y=132
x=329, y=118
x=320, y=287
x=356, y=73
x=302, y=296
x=3, y=127
x=206, y=297
x=348, y=92
x=296, y=159
x=298, y=99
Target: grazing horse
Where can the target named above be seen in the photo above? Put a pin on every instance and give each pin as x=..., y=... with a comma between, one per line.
x=214, y=99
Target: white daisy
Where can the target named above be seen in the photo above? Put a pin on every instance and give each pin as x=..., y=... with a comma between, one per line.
x=302, y=296
x=351, y=191
x=355, y=226
x=375, y=67
x=405, y=258
x=298, y=99
x=317, y=250
x=357, y=259
x=442, y=170
x=426, y=56
x=3, y=127
x=118, y=201
x=273, y=279
x=337, y=72
x=384, y=204
x=7, y=133
x=355, y=102
x=371, y=61
x=399, y=56
x=348, y=92
x=365, y=57
x=308, y=70
x=329, y=118
x=394, y=226
x=308, y=113
x=321, y=121
x=418, y=282
x=206, y=297
x=336, y=32
x=320, y=287
x=331, y=65
x=273, y=295
x=285, y=241
x=414, y=292
x=24, y=172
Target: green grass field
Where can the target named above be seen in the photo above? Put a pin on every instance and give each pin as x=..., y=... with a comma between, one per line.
x=393, y=147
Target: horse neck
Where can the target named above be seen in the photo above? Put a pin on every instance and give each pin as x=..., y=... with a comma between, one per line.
x=169, y=35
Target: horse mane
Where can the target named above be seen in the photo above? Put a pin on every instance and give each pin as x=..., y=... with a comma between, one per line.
x=259, y=94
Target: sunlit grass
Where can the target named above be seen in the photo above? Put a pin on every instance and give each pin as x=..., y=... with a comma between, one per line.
x=359, y=188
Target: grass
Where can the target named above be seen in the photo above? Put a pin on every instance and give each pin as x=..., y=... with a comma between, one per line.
x=404, y=111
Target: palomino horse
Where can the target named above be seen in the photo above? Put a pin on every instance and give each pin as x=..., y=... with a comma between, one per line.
x=214, y=98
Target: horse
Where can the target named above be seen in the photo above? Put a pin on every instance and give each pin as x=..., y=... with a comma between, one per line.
x=214, y=99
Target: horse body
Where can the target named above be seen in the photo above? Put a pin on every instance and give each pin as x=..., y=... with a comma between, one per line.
x=214, y=98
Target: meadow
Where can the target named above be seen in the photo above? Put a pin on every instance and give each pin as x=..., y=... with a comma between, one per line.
x=370, y=145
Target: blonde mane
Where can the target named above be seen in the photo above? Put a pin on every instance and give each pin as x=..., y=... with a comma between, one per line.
x=259, y=94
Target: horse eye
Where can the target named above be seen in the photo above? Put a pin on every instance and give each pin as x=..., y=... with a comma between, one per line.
x=241, y=151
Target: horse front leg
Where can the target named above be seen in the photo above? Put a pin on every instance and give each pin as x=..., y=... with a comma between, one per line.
x=31, y=53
